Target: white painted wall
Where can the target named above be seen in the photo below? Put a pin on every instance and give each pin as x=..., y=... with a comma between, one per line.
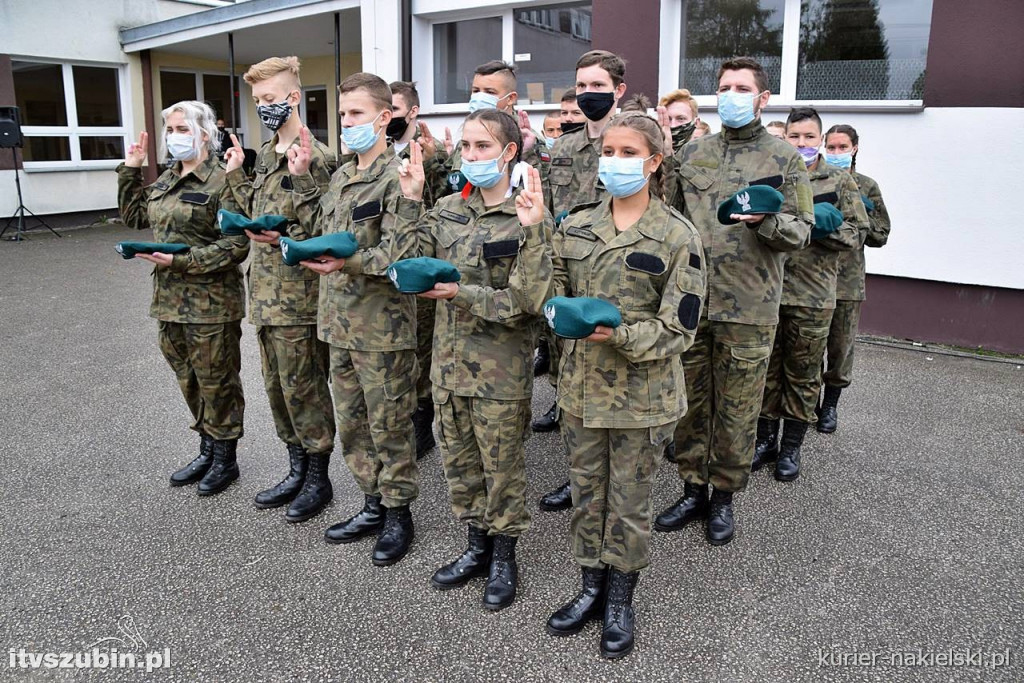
x=953, y=201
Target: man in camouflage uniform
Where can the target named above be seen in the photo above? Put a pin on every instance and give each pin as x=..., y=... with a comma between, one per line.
x=370, y=327
x=482, y=367
x=725, y=369
x=841, y=142
x=808, y=299
x=198, y=295
x=283, y=298
x=573, y=181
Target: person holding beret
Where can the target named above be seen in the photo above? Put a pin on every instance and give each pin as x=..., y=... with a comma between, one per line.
x=496, y=238
x=621, y=390
x=198, y=296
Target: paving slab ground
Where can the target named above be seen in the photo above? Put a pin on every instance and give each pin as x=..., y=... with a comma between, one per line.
x=903, y=534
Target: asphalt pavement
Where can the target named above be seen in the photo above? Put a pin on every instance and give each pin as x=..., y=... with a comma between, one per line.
x=898, y=548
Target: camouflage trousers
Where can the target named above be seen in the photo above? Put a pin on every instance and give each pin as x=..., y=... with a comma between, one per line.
x=725, y=372
x=484, y=460
x=295, y=366
x=548, y=338
x=612, y=473
x=207, y=360
x=374, y=398
x=794, y=372
x=425, y=313
x=842, y=336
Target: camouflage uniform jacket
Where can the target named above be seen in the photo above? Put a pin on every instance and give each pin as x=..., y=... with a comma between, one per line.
x=850, y=282
x=359, y=308
x=654, y=273
x=204, y=284
x=572, y=179
x=483, y=340
x=745, y=264
x=279, y=294
x=810, y=276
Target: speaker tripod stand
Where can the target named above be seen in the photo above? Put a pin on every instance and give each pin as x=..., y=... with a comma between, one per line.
x=21, y=211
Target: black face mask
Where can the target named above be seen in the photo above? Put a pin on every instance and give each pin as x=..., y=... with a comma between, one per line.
x=569, y=127
x=397, y=127
x=595, y=105
x=682, y=134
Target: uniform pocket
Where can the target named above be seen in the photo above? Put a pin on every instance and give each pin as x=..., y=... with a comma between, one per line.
x=747, y=368
x=651, y=387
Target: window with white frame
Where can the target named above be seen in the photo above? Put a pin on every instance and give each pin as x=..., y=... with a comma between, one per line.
x=543, y=41
x=814, y=51
x=212, y=88
x=72, y=115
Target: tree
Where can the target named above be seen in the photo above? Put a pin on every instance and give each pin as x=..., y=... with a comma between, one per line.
x=851, y=33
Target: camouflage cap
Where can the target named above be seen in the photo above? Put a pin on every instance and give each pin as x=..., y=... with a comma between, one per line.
x=576, y=317
x=416, y=275
x=236, y=224
x=336, y=244
x=129, y=250
x=827, y=220
x=751, y=200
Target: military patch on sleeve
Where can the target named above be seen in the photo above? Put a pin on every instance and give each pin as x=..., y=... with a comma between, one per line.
x=452, y=216
x=366, y=211
x=582, y=232
x=286, y=183
x=195, y=197
x=562, y=161
x=774, y=181
x=689, y=311
x=826, y=198
x=695, y=260
x=501, y=249
x=544, y=156
x=645, y=263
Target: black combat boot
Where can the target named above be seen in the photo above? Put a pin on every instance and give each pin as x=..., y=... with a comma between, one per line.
x=828, y=418
x=670, y=452
x=423, y=424
x=476, y=561
x=720, y=523
x=224, y=469
x=395, y=537
x=316, y=492
x=367, y=521
x=559, y=499
x=194, y=471
x=788, y=466
x=542, y=360
x=548, y=422
x=500, y=589
x=766, y=448
x=693, y=505
x=289, y=487
x=586, y=606
x=617, y=633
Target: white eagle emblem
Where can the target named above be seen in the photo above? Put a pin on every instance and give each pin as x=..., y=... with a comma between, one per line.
x=744, y=200
x=393, y=274
x=284, y=249
x=549, y=313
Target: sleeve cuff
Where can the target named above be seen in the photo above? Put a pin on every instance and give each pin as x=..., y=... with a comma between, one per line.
x=354, y=264
x=179, y=262
x=304, y=184
x=236, y=177
x=464, y=298
x=409, y=208
x=767, y=227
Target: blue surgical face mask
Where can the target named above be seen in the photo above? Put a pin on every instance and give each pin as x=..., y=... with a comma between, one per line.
x=809, y=154
x=844, y=160
x=361, y=138
x=482, y=100
x=181, y=146
x=622, y=177
x=485, y=174
x=550, y=142
x=736, y=109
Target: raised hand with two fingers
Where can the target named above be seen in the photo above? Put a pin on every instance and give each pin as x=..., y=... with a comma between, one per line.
x=137, y=152
x=300, y=155
x=530, y=201
x=410, y=173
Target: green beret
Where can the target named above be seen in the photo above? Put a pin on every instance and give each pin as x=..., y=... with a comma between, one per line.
x=827, y=220
x=337, y=244
x=130, y=249
x=751, y=200
x=236, y=224
x=416, y=275
x=576, y=317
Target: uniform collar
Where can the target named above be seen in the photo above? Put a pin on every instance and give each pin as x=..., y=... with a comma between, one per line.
x=376, y=168
x=751, y=131
x=653, y=224
x=475, y=203
x=824, y=170
x=202, y=171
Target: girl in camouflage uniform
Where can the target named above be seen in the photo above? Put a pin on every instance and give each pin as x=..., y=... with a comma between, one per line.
x=482, y=369
x=621, y=390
